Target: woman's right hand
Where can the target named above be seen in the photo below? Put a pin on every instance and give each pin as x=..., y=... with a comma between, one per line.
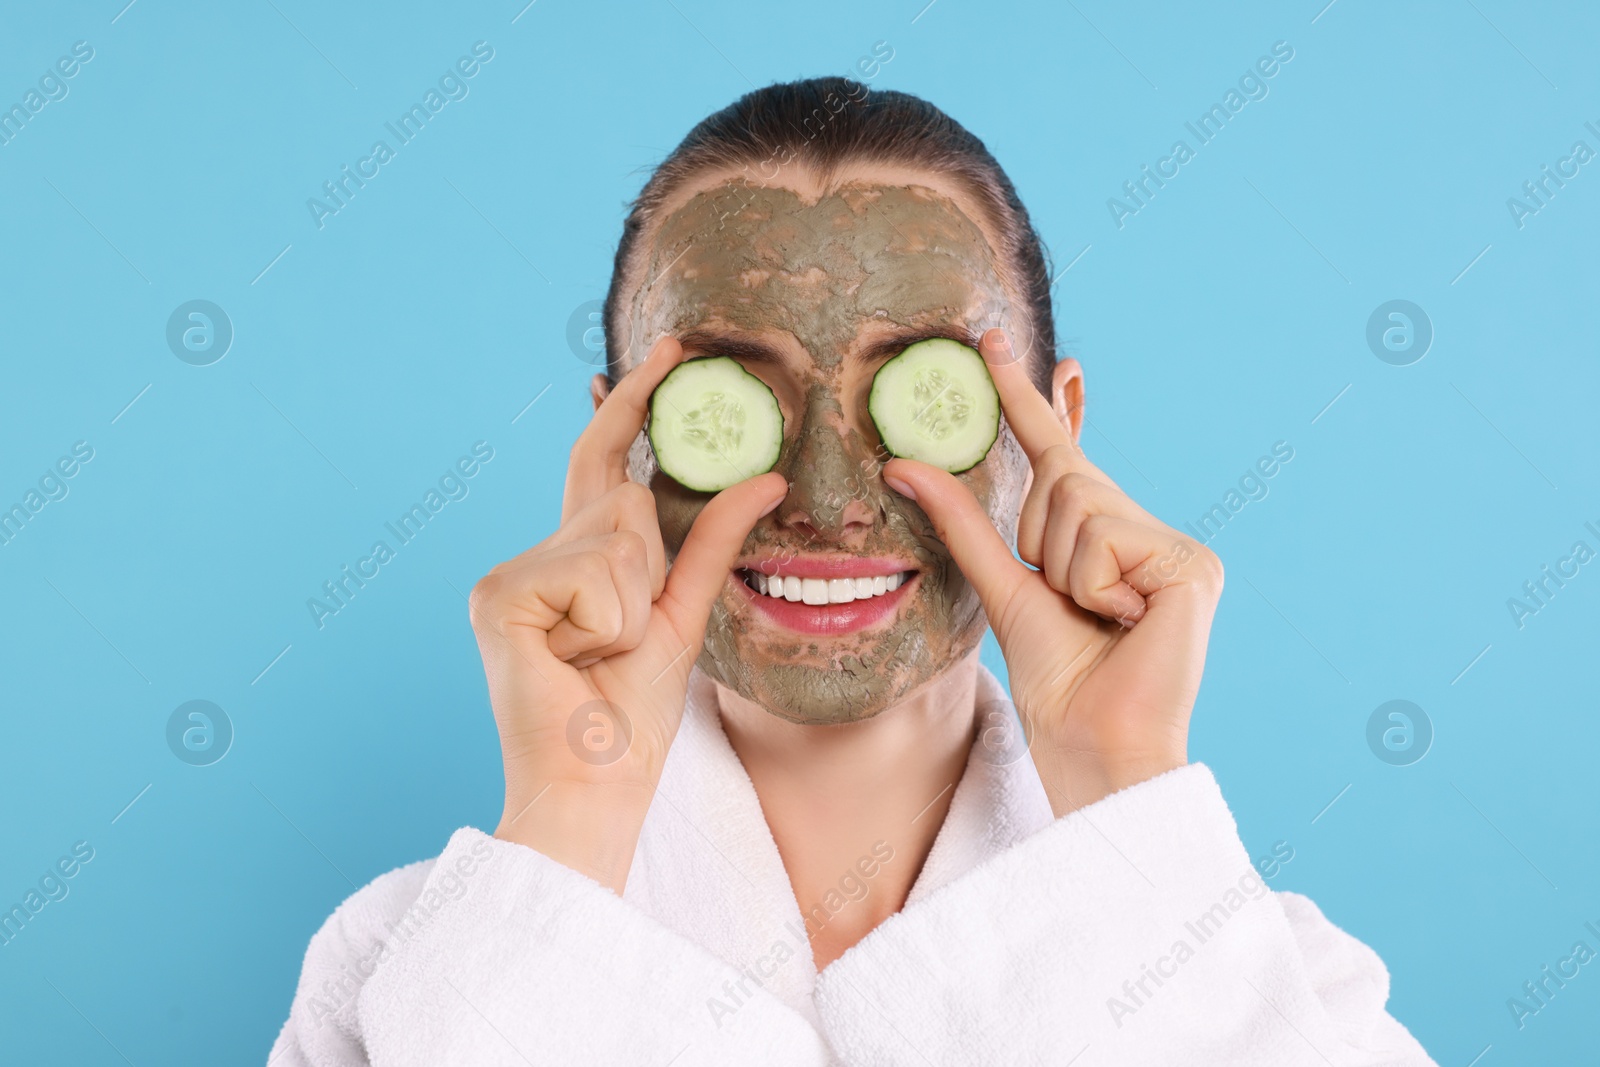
x=588, y=638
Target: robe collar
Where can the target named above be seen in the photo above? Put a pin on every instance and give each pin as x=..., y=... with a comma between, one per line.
x=707, y=866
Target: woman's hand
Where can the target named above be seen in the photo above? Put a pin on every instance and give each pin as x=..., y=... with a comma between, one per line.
x=1105, y=642
x=587, y=641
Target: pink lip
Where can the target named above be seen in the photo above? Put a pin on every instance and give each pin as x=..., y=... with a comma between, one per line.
x=827, y=618
x=827, y=566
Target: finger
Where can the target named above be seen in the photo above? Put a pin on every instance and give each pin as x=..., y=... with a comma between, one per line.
x=1033, y=421
x=1110, y=568
x=591, y=614
x=523, y=600
x=966, y=530
x=600, y=457
x=628, y=506
x=705, y=562
x=600, y=590
x=1029, y=414
x=1056, y=507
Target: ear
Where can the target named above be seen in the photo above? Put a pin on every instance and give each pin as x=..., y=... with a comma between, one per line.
x=599, y=388
x=1066, y=394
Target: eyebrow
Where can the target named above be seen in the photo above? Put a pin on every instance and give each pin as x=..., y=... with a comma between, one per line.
x=751, y=350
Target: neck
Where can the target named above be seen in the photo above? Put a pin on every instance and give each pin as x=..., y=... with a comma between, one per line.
x=841, y=798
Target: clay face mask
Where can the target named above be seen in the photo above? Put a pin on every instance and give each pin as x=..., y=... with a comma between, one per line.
x=816, y=282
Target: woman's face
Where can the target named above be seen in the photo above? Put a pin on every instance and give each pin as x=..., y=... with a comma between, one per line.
x=812, y=293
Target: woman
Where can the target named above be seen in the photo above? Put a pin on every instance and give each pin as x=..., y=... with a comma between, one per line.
x=742, y=826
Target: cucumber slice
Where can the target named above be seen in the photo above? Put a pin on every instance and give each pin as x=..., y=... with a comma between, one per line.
x=713, y=424
x=936, y=403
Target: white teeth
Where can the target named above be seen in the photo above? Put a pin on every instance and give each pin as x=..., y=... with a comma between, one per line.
x=824, y=590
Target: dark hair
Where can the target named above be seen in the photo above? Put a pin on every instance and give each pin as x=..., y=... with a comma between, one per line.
x=824, y=124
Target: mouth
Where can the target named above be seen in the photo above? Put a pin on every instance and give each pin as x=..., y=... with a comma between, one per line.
x=823, y=595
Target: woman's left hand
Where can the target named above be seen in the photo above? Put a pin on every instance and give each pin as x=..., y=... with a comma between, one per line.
x=1105, y=642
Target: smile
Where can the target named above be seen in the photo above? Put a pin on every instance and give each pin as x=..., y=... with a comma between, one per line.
x=826, y=596
x=795, y=589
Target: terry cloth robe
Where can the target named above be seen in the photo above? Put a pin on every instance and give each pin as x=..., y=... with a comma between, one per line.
x=1132, y=931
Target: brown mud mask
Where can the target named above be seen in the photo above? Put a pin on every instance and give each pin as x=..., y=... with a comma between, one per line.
x=817, y=281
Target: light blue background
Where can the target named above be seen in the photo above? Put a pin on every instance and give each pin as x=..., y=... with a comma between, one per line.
x=1223, y=317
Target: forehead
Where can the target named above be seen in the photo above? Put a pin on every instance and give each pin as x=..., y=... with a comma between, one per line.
x=826, y=266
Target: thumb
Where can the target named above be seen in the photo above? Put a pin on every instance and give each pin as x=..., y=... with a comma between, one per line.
x=701, y=568
x=965, y=528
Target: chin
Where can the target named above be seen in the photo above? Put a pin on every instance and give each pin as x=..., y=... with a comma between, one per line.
x=841, y=691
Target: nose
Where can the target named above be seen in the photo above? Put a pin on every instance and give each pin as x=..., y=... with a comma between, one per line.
x=833, y=481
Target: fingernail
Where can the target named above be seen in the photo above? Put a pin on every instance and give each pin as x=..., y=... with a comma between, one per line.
x=903, y=488
x=770, y=508
x=995, y=342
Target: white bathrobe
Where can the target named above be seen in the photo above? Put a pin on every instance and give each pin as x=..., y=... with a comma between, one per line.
x=1133, y=931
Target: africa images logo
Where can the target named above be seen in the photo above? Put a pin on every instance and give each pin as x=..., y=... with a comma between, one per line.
x=452, y=86
x=453, y=485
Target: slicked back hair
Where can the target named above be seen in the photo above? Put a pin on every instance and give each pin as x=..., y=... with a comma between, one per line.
x=824, y=125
